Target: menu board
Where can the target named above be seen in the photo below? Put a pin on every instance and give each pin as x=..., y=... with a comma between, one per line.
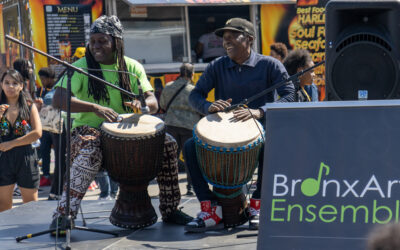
x=67, y=28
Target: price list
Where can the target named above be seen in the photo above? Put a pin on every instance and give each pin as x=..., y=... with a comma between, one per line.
x=67, y=28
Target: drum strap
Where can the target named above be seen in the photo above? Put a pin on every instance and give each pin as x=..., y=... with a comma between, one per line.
x=173, y=97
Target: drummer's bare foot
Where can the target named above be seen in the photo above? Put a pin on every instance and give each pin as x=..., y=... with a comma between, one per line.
x=178, y=217
x=254, y=212
x=210, y=218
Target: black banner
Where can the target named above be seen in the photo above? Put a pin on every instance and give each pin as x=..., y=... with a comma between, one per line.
x=331, y=174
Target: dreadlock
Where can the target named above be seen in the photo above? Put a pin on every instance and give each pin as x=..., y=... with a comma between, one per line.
x=124, y=80
x=99, y=91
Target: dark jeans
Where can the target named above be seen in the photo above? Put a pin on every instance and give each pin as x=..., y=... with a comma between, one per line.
x=181, y=135
x=45, y=150
x=59, y=169
x=108, y=187
x=200, y=185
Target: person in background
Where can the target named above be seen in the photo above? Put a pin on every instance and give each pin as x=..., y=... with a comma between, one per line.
x=108, y=187
x=241, y=74
x=279, y=51
x=79, y=53
x=19, y=127
x=209, y=45
x=25, y=68
x=47, y=77
x=296, y=61
x=180, y=116
x=384, y=237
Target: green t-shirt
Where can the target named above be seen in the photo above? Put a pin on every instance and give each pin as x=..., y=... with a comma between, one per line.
x=79, y=88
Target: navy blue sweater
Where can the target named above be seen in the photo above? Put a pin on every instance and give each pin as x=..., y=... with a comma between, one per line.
x=238, y=82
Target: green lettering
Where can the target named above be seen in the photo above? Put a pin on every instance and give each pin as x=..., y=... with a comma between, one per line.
x=327, y=210
x=311, y=213
x=355, y=210
x=290, y=207
x=273, y=209
x=376, y=209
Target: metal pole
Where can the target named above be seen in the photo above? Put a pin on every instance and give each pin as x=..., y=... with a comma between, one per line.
x=255, y=20
x=188, y=42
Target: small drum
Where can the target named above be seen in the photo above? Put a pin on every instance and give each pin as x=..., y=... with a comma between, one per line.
x=227, y=151
x=132, y=155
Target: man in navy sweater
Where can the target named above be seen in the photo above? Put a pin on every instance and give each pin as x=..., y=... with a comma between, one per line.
x=239, y=75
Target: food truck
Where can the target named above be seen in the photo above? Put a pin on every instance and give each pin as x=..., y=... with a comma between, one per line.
x=161, y=34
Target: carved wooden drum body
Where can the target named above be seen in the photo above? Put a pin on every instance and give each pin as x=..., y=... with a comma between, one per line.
x=132, y=155
x=227, y=151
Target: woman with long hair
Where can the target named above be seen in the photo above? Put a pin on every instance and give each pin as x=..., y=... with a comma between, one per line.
x=19, y=127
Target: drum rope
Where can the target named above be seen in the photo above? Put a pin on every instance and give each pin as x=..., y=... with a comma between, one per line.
x=239, y=156
x=248, y=187
x=255, y=121
x=235, y=157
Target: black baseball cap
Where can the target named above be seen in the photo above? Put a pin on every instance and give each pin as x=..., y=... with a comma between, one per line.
x=236, y=24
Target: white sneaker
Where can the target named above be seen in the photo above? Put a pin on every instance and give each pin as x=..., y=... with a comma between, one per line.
x=107, y=198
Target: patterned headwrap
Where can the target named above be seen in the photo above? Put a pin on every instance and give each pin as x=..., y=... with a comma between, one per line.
x=109, y=25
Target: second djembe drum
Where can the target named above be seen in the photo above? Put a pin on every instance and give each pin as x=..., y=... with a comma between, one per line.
x=227, y=151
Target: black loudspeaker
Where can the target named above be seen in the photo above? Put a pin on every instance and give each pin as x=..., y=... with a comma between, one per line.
x=362, y=49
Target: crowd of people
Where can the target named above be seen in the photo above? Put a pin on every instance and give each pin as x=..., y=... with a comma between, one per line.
x=239, y=74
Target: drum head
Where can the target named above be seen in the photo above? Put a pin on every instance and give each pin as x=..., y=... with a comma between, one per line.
x=134, y=125
x=221, y=130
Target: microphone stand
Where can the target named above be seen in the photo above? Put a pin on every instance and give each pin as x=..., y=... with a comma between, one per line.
x=244, y=102
x=272, y=88
x=67, y=217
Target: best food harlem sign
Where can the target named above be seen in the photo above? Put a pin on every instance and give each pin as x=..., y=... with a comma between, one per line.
x=332, y=173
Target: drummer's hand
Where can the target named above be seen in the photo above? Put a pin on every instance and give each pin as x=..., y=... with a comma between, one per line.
x=134, y=105
x=107, y=113
x=243, y=114
x=219, y=105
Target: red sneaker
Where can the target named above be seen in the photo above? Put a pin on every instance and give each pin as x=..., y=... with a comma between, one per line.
x=45, y=181
x=93, y=186
x=210, y=218
x=254, y=212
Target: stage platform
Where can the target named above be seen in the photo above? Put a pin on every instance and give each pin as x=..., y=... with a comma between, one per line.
x=36, y=216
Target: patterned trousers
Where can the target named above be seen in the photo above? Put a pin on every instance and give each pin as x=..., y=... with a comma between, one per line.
x=86, y=161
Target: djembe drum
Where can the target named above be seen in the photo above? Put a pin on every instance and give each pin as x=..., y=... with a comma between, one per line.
x=227, y=152
x=132, y=155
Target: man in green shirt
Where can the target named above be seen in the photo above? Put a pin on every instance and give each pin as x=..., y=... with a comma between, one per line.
x=95, y=102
